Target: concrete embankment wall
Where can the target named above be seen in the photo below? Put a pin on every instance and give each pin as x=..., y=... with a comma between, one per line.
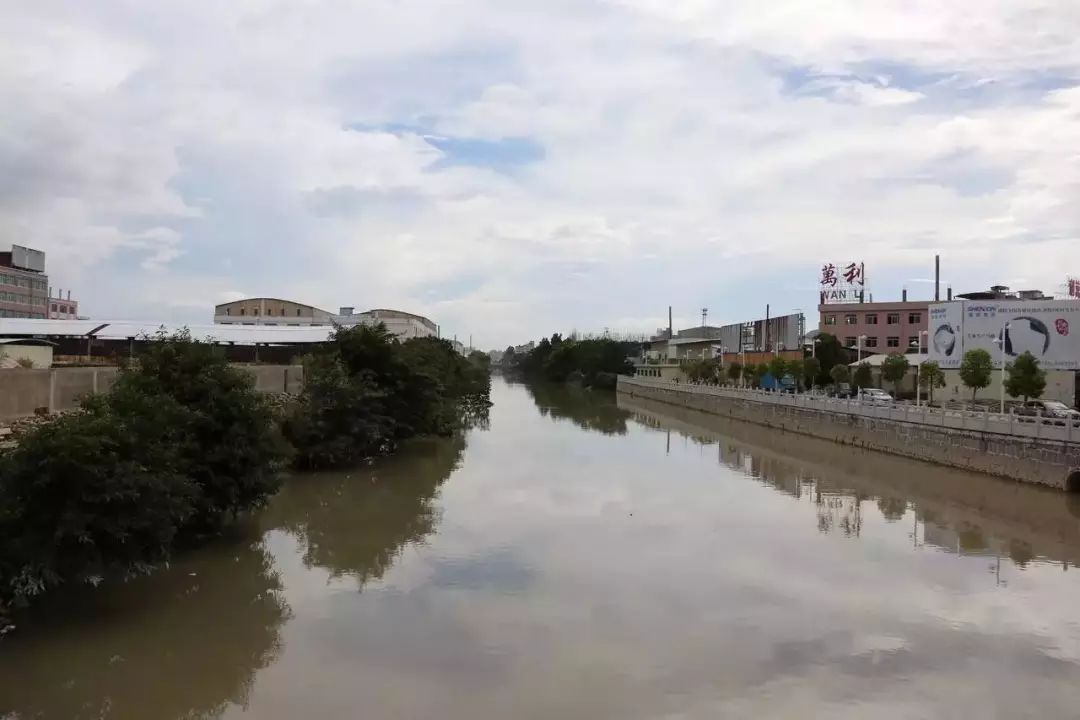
x=27, y=392
x=1053, y=464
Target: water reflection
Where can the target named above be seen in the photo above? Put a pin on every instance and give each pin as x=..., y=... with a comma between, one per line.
x=356, y=523
x=184, y=642
x=588, y=409
x=951, y=511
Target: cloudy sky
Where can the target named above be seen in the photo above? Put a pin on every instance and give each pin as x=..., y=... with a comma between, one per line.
x=517, y=167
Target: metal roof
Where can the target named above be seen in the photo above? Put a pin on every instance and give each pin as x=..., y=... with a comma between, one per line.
x=25, y=341
x=127, y=329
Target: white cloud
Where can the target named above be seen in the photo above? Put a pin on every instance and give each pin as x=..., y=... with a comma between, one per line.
x=692, y=146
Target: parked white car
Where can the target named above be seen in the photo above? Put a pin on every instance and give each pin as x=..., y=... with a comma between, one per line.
x=876, y=395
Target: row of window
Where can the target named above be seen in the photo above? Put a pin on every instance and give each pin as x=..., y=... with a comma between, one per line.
x=20, y=299
x=914, y=318
x=648, y=372
x=26, y=282
x=891, y=342
x=20, y=314
x=61, y=308
x=255, y=311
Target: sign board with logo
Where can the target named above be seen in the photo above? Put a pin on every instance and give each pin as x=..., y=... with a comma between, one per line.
x=842, y=282
x=1073, y=288
x=1048, y=329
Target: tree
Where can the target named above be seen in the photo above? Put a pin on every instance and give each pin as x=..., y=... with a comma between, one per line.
x=829, y=353
x=777, y=367
x=1024, y=377
x=734, y=371
x=894, y=368
x=840, y=374
x=864, y=376
x=811, y=370
x=795, y=369
x=975, y=370
x=930, y=377
x=760, y=371
x=748, y=372
x=180, y=443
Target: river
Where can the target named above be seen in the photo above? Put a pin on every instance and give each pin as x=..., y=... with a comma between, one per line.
x=583, y=556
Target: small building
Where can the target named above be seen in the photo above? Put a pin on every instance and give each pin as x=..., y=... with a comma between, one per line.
x=61, y=308
x=25, y=352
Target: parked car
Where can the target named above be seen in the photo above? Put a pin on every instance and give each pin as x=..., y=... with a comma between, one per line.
x=875, y=395
x=840, y=390
x=1057, y=412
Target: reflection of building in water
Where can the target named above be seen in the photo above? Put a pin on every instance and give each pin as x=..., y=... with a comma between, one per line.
x=838, y=511
x=941, y=536
x=1017, y=526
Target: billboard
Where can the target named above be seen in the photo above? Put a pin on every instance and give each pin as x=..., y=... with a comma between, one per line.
x=27, y=258
x=842, y=282
x=1048, y=329
x=946, y=339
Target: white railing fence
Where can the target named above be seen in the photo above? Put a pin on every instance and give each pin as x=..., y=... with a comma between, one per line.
x=1035, y=427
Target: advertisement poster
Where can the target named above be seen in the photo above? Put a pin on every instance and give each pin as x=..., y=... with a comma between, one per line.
x=1048, y=329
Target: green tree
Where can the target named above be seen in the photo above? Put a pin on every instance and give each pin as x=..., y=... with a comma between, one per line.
x=811, y=371
x=179, y=444
x=893, y=370
x=1024, y=377
x=864, y=376
x=734, y=371
x=795, y=368
x=760, y=371
x=231, y=448
x=930, y=377
x=975, y=370
x=840, y=374
x=749, y=372
x=777, y=367
x=829, y=352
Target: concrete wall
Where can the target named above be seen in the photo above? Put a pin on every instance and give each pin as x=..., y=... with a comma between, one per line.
x=1055, y=465
x=25, y=392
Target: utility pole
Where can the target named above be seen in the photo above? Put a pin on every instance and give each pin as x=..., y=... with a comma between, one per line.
x=704, y=314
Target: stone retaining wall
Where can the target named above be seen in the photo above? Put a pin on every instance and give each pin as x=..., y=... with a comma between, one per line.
x=1054, y=464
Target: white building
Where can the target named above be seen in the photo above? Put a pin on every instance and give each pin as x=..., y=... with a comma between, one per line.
x=278, y=312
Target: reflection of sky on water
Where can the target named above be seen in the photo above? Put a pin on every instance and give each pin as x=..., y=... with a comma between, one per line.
x=601, y=561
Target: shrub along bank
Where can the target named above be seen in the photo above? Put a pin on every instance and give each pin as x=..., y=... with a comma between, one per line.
x=182, y=443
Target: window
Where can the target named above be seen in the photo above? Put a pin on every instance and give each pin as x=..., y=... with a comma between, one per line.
x=297, y=312
x=830, y=319
x=871, y=342
x=894, y=319
x=871, y=318
x=228, y=311
x=914, y=318
x=241, y=311
x=53, y=308
x=913, y=342
x=893, y=342
x=849, y=342
x=270, y=311
x=851, y=319
x=255, y=311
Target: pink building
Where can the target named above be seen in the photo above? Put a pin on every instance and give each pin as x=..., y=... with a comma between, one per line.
x=61, y=308
x=886, y=326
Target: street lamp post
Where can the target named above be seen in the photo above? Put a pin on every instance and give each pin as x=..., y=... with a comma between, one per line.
x=1001, y=341
x=742, y=369
x=918, y=366
x=858, y=344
